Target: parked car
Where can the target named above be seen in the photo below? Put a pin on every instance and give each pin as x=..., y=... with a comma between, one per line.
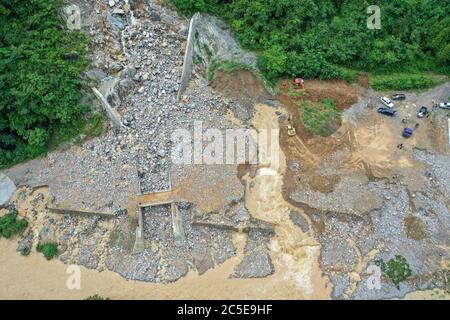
x=445, y=105
x=407, y=132
x=387, y=111
x=387, y=102
x=423, y=112
x=398, y=96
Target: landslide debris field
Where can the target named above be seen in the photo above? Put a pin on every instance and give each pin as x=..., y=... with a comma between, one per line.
x=308, y=226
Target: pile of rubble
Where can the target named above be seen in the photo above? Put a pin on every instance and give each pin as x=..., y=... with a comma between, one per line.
x=137, y=57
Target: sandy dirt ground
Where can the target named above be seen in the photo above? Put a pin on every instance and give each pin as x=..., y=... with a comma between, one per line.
x=241, y=85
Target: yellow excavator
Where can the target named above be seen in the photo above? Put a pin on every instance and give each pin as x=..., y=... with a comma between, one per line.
x=290, y=127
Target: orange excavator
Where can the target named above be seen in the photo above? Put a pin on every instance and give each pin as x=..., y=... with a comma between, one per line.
x=300, y=83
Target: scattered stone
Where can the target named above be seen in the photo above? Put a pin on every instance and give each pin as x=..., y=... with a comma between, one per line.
x=112, y=114
x=154, y=16
x=119, y=11
x=183, y=31
x=26, y=243
x=96, y=74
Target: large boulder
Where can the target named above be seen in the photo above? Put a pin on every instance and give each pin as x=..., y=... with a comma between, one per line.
x=215, y=41
x=7, y=188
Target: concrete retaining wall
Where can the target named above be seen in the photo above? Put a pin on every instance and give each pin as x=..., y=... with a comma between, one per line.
x=188, y=63
x=81, y=213
x=223, y=226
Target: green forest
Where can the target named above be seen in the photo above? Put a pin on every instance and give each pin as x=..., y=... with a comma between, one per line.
x=329, y=39
x=40, y=83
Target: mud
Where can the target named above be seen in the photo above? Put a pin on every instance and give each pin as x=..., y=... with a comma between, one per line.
x=241, y=85
x=294, y=253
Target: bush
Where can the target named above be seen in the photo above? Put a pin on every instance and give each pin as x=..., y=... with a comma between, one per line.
x=321, y=118
x=94, y=125
x=189, y=7
x=227, y=66
x=49, y=250
x=317, y=38
x=397, y=269
x=272, y=63
x=403, y=82
x=25, y=251
x=40, y=83
x=10, y=225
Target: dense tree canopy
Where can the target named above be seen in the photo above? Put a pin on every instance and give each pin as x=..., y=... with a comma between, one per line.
x=40, y=67
x=324, y=38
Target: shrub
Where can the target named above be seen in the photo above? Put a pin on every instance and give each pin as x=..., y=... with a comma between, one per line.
x=397, y=269
x=227, y=66
x=49, y=250
x=272, y=63
x=25, y=251
x=10, y=225
x=189, y=7
x=403, y=82
x=94, y=126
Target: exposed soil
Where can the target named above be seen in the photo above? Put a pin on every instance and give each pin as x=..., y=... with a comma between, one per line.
x=344, y=94
x=415, y=228
x=241, y=85
x=315, y=147
x=324, y=184
x=330, y=180
x=363, y=81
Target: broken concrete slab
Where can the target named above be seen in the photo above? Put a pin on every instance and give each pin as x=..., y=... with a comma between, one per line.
x=109, y=90
x=139, y=243
x=7, y=189
x=177, y=223
x=112, y=114
x=256, y=264
x=203, y=261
